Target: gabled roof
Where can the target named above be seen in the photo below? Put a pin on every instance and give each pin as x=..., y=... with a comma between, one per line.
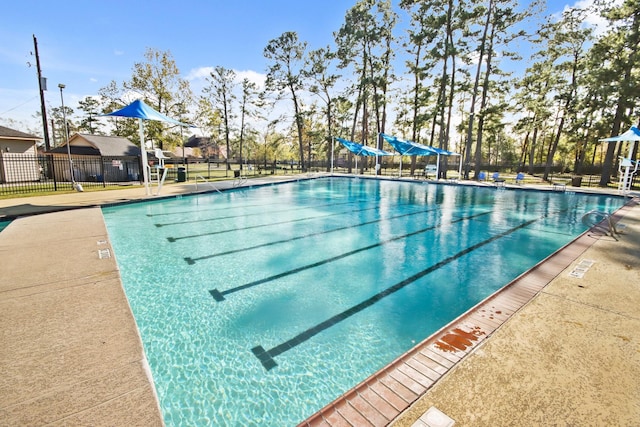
x=76, y=150
x=197, y=141
x=108, y=145
x=7, y=133
x=98, y=145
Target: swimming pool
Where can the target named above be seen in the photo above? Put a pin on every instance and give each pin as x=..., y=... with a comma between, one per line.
x=4, y=224
x=259, y=306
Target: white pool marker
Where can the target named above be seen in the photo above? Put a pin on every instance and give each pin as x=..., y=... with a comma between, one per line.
x=104, y=254
x=434, y=417
x=581, y=269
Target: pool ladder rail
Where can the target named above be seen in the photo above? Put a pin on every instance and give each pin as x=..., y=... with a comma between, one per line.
x=238, y=179
x=596, y=219
x=206, y=182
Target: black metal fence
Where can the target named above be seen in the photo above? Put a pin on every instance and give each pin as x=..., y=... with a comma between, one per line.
x=20, y=173
x=23, y=174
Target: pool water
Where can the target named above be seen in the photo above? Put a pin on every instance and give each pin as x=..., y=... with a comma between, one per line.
x=259, y=306
x=4, y=224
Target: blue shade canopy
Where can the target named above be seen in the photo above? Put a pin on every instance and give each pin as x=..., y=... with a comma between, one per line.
x=141, y=111
x=138, y=109
x=362, y=150
x=633, y=134
x=410, y=148
x=443, y=152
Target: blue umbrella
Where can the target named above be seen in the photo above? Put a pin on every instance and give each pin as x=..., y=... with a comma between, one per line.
x=138, y=109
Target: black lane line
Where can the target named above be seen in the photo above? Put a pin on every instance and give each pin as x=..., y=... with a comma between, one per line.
x=218, y=218
x=192, y=261
x=291, y=221
x=266, y=356
x=219, y=295
x=220, y=208
x=226, y=208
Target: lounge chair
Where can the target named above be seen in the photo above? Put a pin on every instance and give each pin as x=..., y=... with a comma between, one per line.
x=499, y=182
x=519, y=178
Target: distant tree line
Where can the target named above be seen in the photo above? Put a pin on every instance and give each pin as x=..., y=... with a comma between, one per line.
x=454, y=87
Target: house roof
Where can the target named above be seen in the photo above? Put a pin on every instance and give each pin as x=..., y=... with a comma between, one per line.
x=76, y=150
x=99, y=145
x=197, y=141
x=7, y=133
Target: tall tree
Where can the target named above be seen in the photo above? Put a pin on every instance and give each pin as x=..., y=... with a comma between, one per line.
x=566, y=41
x=250, y=102
x=284, y=76
x=441, y=33
x=532, y=97
x=112, y=98
x=58, y=123
x=220, y=93
x=381, y=65
x=619, y=70
x=157, y=81
x=322, y=82
x=474, y=92
x=419, y=35
x=209, y=121
x=499, y=31
x=90, y=106
x=364, y=42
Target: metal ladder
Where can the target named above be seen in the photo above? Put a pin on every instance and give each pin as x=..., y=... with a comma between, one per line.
x=595, y=218
x=206, y=182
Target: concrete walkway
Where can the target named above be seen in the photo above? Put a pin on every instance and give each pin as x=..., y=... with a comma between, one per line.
x=70, y=353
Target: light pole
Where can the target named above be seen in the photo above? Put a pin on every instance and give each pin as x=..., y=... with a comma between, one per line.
x=76, y=186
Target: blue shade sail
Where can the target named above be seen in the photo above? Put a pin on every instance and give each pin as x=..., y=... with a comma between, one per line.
x=410, y=148
x=362, y=150
x=141, y=111
x=633, y=134
x=138, y=109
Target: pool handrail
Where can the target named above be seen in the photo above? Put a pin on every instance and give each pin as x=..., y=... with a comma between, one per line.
x=239, y=181
x=206, y=182
x=599, y=218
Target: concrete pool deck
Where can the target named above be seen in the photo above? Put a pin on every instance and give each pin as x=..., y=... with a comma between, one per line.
x=70, y=352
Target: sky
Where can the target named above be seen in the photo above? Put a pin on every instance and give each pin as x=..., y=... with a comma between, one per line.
x=86, y=44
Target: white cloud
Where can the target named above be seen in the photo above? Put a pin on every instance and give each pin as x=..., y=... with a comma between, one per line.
x=203, y=72
x=199, y=73
x=593, y=19
x=252, y=76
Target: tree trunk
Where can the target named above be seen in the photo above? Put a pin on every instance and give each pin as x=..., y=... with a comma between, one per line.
x=467, y=161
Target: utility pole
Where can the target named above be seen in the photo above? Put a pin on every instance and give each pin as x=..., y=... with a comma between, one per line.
x=42, y=84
